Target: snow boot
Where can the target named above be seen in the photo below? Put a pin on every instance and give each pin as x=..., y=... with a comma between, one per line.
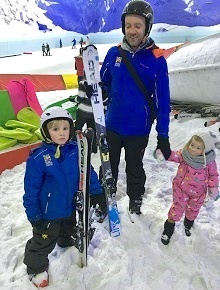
x=167, y=232
x=40, y=280
x=135, y=206
x=188, y=224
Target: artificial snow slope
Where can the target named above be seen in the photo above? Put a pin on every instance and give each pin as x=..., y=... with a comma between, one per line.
x=137, y=260
x=194, y=71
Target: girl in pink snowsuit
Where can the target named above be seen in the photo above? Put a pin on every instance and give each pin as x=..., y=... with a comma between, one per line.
x=197, y=173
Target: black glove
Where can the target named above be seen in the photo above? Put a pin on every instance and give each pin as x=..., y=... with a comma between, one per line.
x=97, y=199
x=85, y=89
x=164, y=145
x=88, y=90
x=38, y=225
x=104, y=94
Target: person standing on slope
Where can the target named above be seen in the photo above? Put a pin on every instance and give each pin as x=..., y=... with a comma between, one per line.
x=81, y=42
x=84, y=114
x=79, y=66
x=73, y=43
x=196, y=175
x=129, y=116
x=43, y=47
x=50, y=184
x=47, y=49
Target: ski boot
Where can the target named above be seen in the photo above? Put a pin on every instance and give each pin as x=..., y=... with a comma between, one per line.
x=135, y=206
x=40, y=280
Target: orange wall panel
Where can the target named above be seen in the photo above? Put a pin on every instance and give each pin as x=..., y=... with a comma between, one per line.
x=42, y=83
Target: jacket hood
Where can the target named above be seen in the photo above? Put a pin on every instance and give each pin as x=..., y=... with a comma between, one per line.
x=208, y=141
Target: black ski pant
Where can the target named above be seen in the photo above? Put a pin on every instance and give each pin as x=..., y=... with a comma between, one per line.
x=134, y=147
x=43, y=242
x=81, y=120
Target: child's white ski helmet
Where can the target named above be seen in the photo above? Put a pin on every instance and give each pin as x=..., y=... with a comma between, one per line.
x=54, y=113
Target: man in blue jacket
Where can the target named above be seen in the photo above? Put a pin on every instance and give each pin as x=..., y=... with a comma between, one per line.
x=51, y=182
x=129, y=115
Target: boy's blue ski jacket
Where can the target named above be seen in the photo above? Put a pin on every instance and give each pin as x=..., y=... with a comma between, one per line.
x=50, y=184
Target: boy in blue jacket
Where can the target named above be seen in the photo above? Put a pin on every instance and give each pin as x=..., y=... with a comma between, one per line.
x=50, y=183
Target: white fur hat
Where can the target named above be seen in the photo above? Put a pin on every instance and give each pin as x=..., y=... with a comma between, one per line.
x=208, y=140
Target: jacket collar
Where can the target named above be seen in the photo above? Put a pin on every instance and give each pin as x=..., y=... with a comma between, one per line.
x=149, y=43
x=53, y=147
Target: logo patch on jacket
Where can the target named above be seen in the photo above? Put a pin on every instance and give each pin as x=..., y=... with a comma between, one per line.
x=118, y=61
x=47, y=160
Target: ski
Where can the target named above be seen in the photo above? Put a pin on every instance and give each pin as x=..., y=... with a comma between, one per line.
x=186, y=116
x=178, y=108
x=82, y=198
x=91, y=68
x=210, y=111
x=204, y=110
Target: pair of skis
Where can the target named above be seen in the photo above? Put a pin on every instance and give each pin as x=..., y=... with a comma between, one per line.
x=82, y=196
x=84, y=140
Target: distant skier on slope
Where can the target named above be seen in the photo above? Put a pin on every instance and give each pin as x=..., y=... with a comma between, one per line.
x=73, y=43
x=43, y=47
x=47, y=49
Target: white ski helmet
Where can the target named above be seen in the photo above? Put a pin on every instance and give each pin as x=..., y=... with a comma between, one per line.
x=54, y=113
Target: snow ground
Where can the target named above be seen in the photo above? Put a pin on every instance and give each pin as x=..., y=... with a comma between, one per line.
x=135, y=260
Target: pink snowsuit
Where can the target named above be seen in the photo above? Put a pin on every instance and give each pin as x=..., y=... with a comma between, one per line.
x=190, y=187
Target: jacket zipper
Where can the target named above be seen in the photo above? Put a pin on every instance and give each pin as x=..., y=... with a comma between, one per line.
x=48, y=197
x=146, y=112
